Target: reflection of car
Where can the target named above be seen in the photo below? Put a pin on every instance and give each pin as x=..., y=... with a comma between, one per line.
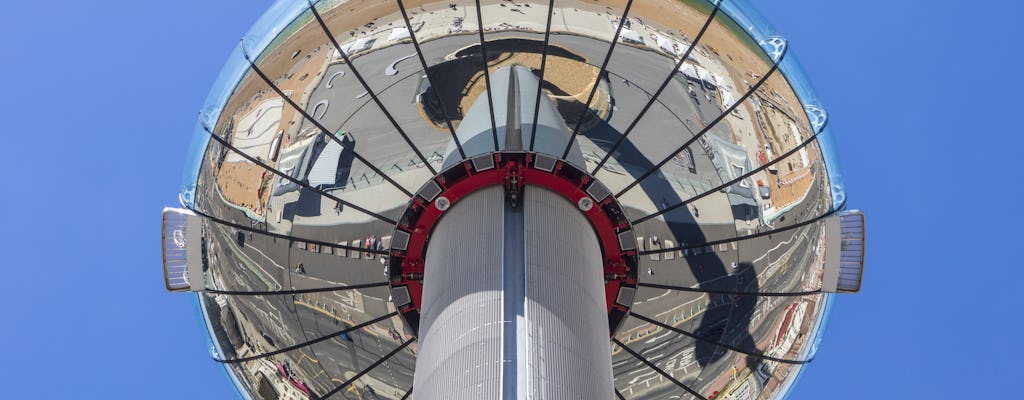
x=763, y=158
x=690, y=164
x=767, y=157
x=765, y=191
x=707, y=147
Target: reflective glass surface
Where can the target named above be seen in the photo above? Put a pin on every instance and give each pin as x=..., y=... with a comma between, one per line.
x=694, y=114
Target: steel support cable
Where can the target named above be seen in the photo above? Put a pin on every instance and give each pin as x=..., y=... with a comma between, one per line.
x=716, y=342
x=487, y=73
x=366, y=370
x=593, y=89
x=656, y=369
x=308, y=342
x=291, y=238
x=407, y=393
x=745, y=237
x=297, y=291
x=646, y=93
x=739, y=293
x=283, y=236
x=543, y=66
x=664, y=84
x=706, y=129
x=306, y=334
x=728, y=292
x=398, y=81
x=366, y=86
x=756, y=235
x=318, y=125
x=730, y=314
x=619, y=394
x=295, y=181
x=430, y=81
x=805, y=143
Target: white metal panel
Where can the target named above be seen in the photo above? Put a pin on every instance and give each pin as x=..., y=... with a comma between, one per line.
x=182, y=250
x=566, y=312
x=325, y=168
x=460, y=323
x=474, y=132
x=477, y=339
x=844, y=254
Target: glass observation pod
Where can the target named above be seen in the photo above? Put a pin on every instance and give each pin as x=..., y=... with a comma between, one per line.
x=513, y=199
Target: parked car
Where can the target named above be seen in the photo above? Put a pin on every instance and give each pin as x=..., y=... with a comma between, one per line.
x=765, y=191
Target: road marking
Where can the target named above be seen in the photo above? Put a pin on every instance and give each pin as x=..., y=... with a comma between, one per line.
x=264, y=276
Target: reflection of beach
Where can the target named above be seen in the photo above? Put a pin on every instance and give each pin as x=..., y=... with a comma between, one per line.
x=255, y=130
x=720, y=51
x=242, y=184
x=345, y=20
x=793, y=187
x=734, y=51
x=351, y=16
x=794, y=177
x=299, y=82
x=790, y=190
x=569, y=80
x=322, y=212
x=780, y=124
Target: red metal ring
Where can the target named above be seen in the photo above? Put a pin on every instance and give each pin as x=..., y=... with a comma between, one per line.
x=513, y=170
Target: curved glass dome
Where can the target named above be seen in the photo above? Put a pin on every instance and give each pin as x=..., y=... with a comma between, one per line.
x=336, y=123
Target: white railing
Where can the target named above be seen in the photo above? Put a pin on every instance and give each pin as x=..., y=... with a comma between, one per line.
x=181, y=250
x=844, y=252
x=851, y=250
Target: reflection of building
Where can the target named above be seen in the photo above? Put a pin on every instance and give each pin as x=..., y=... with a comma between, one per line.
x=731, y=162
x=512, y=214
x=273, y=383
x=790, y=329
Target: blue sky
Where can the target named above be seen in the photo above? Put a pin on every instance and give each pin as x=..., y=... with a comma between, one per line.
x=102, y=96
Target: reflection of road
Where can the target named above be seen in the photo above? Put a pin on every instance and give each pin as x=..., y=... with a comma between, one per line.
x=390, y=70
x=245, y=261
x=375, y=134
x=663, y=120
x=263, y=262
x=778, y=263
x=330, y=81
x=676, y=355
x=660, y=131
x=341, y=357
x=256, y=130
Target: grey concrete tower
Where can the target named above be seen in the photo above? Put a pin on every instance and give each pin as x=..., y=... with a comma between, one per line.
x=513, y=294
